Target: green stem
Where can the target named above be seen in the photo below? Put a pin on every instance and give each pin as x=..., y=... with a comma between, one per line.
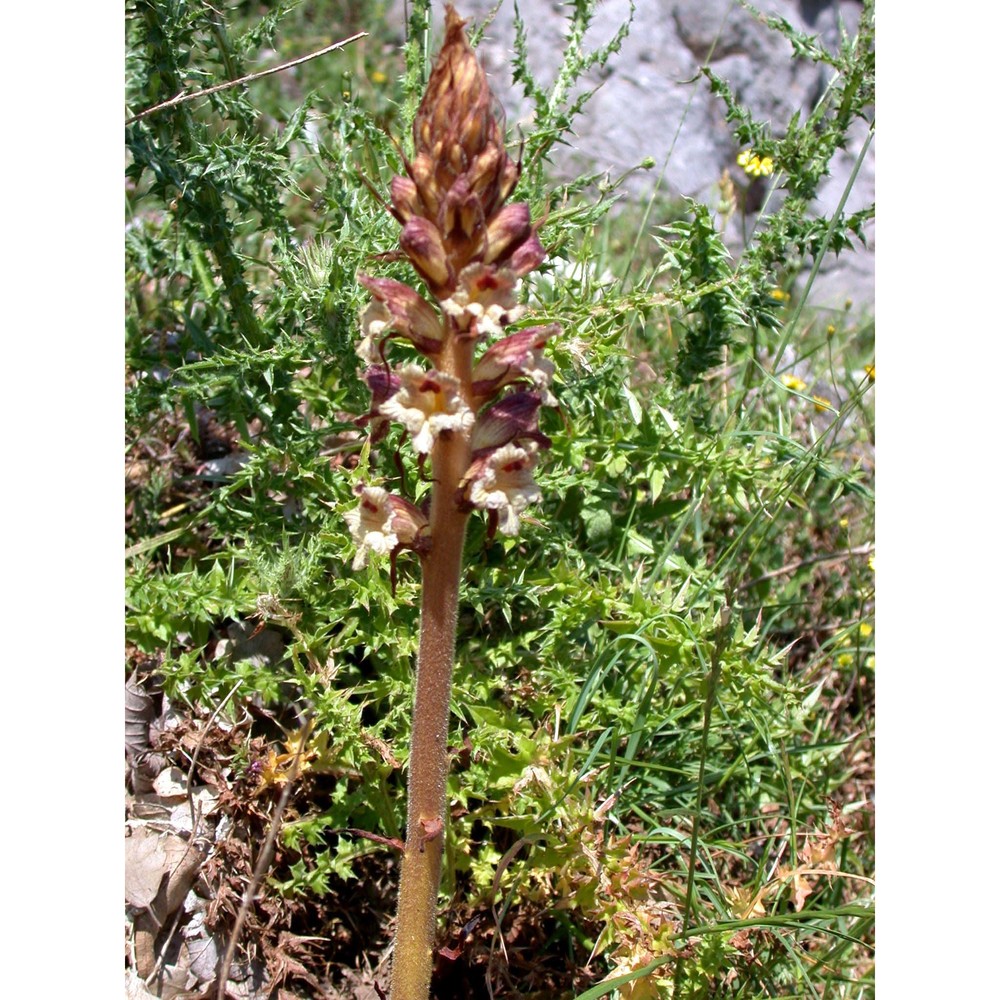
x=428, y=764
x=721, y=640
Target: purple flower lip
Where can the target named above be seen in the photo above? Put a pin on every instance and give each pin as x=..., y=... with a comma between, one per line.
x=513, y=419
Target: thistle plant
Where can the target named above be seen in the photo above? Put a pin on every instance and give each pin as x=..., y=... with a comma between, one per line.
x=471, y=407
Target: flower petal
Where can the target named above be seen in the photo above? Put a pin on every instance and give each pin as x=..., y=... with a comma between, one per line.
x=502, y=481
x=427, y=404
x=483, y=301
x=382, y=523
x=511, y=420
x=371, y=525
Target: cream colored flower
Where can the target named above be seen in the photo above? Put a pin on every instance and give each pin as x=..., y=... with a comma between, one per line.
x=426, y=404
x=383, y=523
x=483, y=302
x=503, y=482
x=374, y=320
x=371, y=525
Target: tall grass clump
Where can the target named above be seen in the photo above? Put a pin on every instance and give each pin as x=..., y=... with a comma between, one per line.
x=623, y=482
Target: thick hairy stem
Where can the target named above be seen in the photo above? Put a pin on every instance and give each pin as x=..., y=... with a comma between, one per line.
x=428, y=765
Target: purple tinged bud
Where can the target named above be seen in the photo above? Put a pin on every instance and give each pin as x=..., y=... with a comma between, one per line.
x=482, y=175
x=454, y=124
x=512, y=419
x=383, y=385
x=510, y=227
x=405, y=198
x=527, y=256
x=517, y=356
x=509, y=178
x=422, y=175
x=462, y=212
x=412, y=316
x=422, y=243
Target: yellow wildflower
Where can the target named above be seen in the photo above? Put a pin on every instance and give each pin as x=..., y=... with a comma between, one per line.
x=794, y=383
x=779, y=295
x=276, y=768
x=378, y=76
x=755, y=165
x=865, y=629
x=821, y=403
x=870, y=371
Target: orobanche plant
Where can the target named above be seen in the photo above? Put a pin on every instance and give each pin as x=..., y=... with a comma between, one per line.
x=472, y=406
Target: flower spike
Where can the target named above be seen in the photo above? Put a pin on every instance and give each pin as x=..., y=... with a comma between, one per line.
x=470, y=410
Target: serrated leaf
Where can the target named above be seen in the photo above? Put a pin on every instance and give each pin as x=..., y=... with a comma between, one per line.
x=294, y=127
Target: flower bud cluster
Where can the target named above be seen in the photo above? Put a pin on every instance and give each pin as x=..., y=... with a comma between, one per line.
x=481, y=389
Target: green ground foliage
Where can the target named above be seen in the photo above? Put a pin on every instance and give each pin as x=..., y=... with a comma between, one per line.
x=663, y=703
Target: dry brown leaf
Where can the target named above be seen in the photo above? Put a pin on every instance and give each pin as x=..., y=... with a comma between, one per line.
x=741, y=940
x=149, y=856
x=171, y=784
x=145, y=866
x=135, y=988
x=801, y=889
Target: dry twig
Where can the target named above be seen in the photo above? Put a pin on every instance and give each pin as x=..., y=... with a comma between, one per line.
x=181, y=98
x=860, y=550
